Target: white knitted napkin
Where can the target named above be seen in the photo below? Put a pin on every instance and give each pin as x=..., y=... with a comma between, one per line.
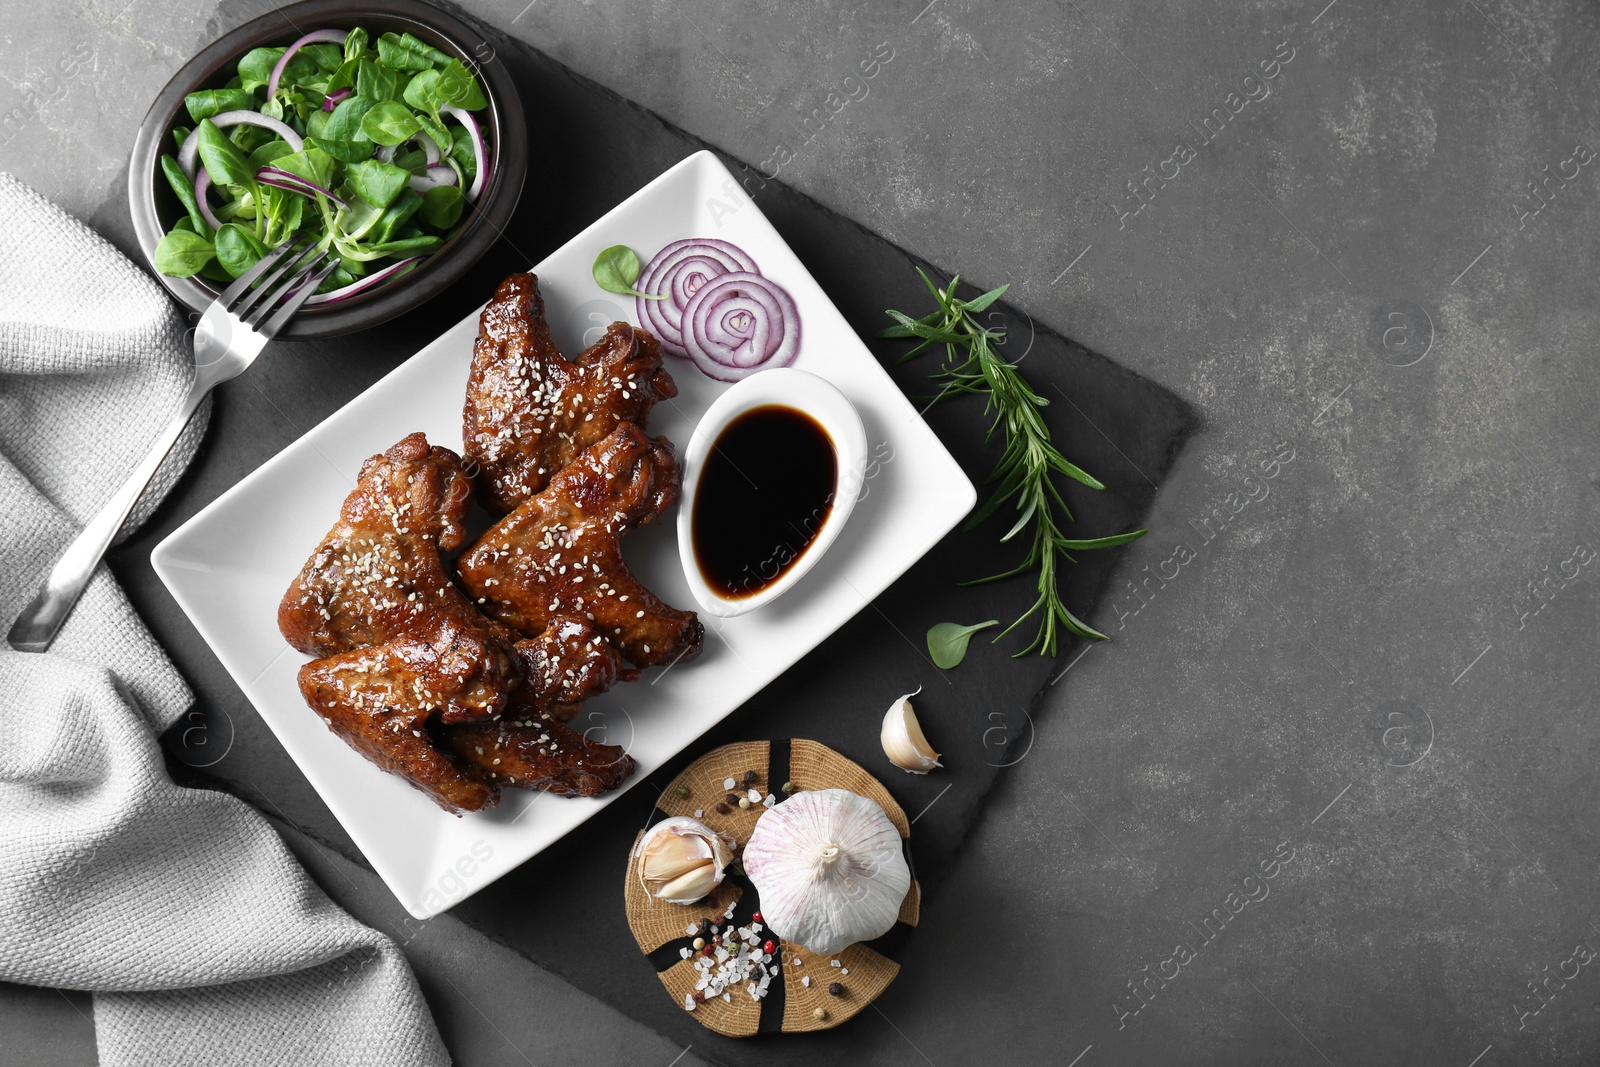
x=201, y=936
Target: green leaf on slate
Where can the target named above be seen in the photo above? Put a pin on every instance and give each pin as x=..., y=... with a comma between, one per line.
x=947, y=642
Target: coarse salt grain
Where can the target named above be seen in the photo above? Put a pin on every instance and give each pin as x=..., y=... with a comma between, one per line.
x=727, y=783
x=806, y=981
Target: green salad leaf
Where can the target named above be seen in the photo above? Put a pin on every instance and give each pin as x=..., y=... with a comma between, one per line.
x=182, y=253
x=237, y=248
x=441, y=206
x=376, y=182
x=345, y=122
x=389, y=123
x=457, y=86
x=255, y=69
x=222, y=158
x=376, y=81
x=355, y=44
x=184, y=191
x=401, y=51
x=208, y=102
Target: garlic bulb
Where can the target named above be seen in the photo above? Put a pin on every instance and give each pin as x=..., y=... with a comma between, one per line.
x=903, y=741
x=829, y=868
x=681, y=860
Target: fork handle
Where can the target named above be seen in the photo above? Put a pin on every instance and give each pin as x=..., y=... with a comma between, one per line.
x=42, y=619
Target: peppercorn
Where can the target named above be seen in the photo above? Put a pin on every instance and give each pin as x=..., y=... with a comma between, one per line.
x=706, y=951
x=699, y=943
x=682, y=792
x=705, y=926
x=756, y=918
x=788, y=787
x=723, y=809
x=744, y=802
x=835, y=989
x=820, y=1013
x=769, y=946
x=732, y=798
x=750, y=777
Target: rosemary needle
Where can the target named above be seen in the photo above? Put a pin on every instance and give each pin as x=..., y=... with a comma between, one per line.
x=1026, y=470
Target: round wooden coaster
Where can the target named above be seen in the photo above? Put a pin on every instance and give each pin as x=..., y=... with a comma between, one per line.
x=664, y=931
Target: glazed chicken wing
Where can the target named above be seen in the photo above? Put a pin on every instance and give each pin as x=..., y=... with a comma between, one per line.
x=560, y=551
x=377, y=575
x=381, y=700
x=530, y=411
x=567, y=664
x=530, y=747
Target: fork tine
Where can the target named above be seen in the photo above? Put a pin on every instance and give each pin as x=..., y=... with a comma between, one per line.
x=260, y=267
x=261, y=297
x=297, y=297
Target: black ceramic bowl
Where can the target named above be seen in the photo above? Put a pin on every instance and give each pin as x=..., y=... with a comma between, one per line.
x=155, y=208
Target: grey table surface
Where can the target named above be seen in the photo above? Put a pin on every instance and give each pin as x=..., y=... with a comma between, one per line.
x=1371, y=675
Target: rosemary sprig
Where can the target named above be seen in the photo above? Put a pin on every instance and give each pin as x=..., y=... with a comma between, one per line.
x=1025, y=472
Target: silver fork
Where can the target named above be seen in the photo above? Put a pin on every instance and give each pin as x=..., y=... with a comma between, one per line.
x=231, y=334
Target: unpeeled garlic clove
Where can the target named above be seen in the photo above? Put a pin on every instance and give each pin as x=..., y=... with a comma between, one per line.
x=903, y=740
x=681, y=860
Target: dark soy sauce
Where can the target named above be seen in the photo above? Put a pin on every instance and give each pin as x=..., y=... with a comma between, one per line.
x=766, y=489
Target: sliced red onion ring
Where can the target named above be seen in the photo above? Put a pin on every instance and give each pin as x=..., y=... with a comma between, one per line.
x=436, y=175
x=361, y=285
x=678, y=271
x=188, y=154
x=335, y=98
x=430, y=148
x=480, y=153
x=284, y=179
x=331, y=36
x=202, y=186
x=738, y=323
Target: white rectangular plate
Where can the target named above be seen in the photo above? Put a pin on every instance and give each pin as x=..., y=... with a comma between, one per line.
x=229, y=565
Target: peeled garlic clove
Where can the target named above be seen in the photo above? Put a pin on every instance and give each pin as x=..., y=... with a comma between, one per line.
x=681, y=860
x=691, y=885
x=903, y=741
x=672, y=855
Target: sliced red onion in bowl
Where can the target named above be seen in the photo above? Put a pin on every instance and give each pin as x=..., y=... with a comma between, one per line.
x=202, y=186
x=361, y=285
x=480, y=153
x=436, y=176
x=284, y=179
x=187, y=155
x=330, y=36
x=677, y=272
x=738, y=323
x=430, y=148
x=335, y=98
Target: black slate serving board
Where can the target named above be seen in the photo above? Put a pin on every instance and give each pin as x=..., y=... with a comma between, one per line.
x=563, y=909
